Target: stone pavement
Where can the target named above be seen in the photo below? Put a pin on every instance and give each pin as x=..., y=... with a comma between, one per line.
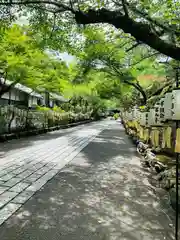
x=24, y=171
x=102, y=194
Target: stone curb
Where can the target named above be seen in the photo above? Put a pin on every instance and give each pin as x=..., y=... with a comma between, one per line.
x=6, y=137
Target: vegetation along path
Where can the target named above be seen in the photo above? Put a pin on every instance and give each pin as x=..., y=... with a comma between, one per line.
x=102, y=192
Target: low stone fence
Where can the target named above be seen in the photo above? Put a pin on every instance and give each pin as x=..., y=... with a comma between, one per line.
x=14, y=120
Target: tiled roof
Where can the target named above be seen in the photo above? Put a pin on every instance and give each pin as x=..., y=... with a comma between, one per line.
x=23, y=88
x=58, y=97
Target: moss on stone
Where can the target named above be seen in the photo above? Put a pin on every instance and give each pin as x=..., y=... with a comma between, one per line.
x=164, y=159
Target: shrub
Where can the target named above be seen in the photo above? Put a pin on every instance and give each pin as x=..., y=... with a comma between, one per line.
x=116, y=116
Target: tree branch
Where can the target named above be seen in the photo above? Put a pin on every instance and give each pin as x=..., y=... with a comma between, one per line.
x=169, y=83
x=140, y=31
x=147, y=17
x=43, y=9
x=136, y=85
x=57, y=4
x=54, y=23
x=139, y=88
x=145, y=57
x=125, y=8
x=133, y=46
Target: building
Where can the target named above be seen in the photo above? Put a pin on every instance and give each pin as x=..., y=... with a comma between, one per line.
x=52, y=99
x=21, y=96
x=24, y=97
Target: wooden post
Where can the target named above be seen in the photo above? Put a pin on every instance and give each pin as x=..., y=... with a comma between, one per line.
x=177, y=167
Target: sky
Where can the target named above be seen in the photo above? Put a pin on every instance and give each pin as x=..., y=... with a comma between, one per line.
x=66, y=57
x=61, y=56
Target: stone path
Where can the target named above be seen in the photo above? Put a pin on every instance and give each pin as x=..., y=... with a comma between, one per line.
x=102, y=194
x=25, y=171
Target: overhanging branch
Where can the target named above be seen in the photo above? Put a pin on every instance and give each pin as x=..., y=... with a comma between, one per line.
x=139, y=89
x=147, y=17
x=53, y=27
x=144, y=58
x=133, y=46
x=39, y=2
x=140, y=31
x=125, y=7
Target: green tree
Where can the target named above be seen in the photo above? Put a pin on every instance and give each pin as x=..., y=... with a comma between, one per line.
x=104, y=55
x=151, y=22
x=22, y=61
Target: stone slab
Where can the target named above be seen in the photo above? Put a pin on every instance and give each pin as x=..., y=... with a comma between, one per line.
x=6, y=197
x=7, y=211
x=23, y=197
x=13, y=181
x=3, y=189
x=19, y=187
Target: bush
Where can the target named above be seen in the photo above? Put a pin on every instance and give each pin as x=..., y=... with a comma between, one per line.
x=116, y=116
x=58, y=109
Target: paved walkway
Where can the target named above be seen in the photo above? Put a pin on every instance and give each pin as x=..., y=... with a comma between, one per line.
x=101, y=194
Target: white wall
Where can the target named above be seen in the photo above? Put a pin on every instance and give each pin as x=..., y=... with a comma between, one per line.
x=44, y=99
x=51, y=103
x=5, y=95
x=17, y=95
x=14, y=94
x=32, y=101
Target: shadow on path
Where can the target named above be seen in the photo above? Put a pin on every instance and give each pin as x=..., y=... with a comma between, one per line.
x=22, y=143
x=103, y=194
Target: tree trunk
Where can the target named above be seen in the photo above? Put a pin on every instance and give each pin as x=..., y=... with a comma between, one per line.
x=140, y=89
x=10, y=122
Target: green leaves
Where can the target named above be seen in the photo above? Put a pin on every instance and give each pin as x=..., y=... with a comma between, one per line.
x=23, y=61
x=105, y=67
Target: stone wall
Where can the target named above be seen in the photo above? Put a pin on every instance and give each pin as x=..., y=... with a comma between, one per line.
x=13, y=119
